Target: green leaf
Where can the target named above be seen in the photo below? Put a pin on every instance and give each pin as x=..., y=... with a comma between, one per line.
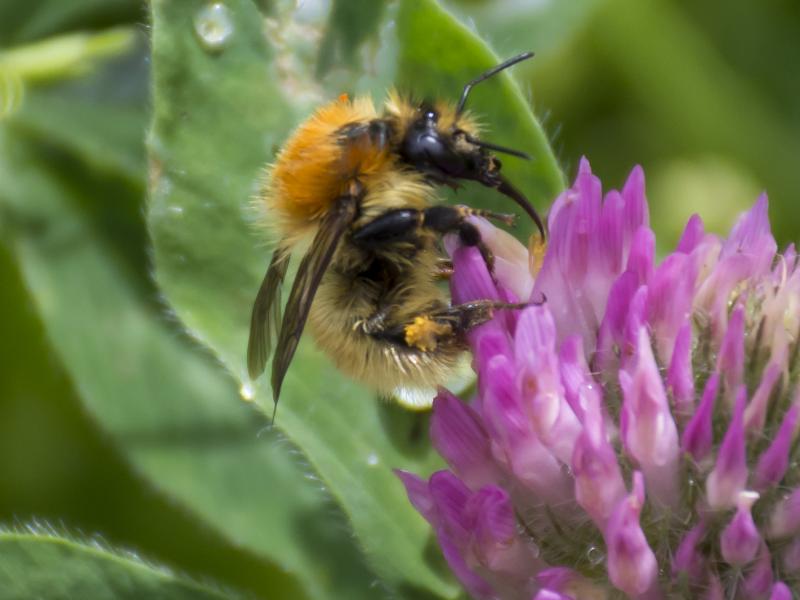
x=438, y=55
x=25, y=20
x=103, y=135
x=350, y=25
x=171, y=411
x=54, y=568
x=513, y=26
x=218, y=116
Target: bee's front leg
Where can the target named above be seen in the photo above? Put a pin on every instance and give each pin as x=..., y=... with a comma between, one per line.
x=403, y=225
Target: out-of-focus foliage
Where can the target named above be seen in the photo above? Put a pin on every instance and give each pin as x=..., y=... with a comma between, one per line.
x=43, y=565
x=114, y=422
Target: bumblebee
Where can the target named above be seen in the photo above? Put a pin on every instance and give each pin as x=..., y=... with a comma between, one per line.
x=362, y=186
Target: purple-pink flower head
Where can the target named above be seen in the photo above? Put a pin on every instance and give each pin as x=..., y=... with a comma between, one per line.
x=635, y=434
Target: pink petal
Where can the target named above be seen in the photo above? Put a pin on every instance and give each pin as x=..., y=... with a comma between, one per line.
x=642, y=252
x=671, y=293
x=730, y=362
x=471, y=279
x=689, y=558
x=459, y=436
x=756, y=412
x=752, y=237
x=693, y=234
x=476, y=585
x=649, y=433
x=550, y=595
x=758, y=582
x=680, y=379
x=740, y=539
x=511, y=258
x=636, y=321
x=697, y=437
x=496, y=544
x=599, y=486
x=609, y=239
x=579, y=387
x=780, y=591
x=512, y=433
x=785, y=518
x=729, y=475
x=556, y=578
x=633, y=193
x=632, y=566
x=774, y=461
x=540, y=386
x=612, y=328
x=418, y=494
x=450, y=496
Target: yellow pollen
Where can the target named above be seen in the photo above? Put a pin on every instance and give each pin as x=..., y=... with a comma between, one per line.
x=424, y=332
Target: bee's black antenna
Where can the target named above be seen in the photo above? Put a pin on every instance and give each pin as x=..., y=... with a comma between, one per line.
x=484, y=76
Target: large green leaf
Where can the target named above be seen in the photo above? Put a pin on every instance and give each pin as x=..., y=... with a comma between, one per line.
x=438, y=55
x=171, y=411
x=219, y=114
x=56, y=568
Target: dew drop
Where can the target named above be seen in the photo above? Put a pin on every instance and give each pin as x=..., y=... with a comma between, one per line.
x=247, y=392
x=372, y=459
x=594, y=555
x=175, y=210
x=214, y=26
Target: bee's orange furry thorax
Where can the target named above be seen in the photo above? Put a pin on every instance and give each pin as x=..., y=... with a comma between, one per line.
x=314, y=168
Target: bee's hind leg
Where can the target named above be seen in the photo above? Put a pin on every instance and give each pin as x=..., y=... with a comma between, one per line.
x=443, y=327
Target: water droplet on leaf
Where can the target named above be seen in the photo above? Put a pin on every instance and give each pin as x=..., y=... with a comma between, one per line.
x=372, y=459
x=247, y=392
x=214, y=26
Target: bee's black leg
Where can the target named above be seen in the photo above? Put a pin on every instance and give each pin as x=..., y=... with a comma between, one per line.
x=446, y=326
x=402, y=225
x=470, y=236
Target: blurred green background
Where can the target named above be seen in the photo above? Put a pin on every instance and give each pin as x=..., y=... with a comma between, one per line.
x=702, y=93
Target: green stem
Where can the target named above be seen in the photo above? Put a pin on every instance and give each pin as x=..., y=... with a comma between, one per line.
x=64, y=55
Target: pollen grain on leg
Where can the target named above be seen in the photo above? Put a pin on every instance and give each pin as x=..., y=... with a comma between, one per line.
x=423, y=333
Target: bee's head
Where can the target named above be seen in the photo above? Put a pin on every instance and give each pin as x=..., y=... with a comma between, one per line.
x=447, y=149
x=443, y=145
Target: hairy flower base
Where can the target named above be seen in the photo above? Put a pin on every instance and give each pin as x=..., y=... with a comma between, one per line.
x=634, y=435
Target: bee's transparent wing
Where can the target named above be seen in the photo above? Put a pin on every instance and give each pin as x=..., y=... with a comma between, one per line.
x=266, y=314
x=309, y=274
